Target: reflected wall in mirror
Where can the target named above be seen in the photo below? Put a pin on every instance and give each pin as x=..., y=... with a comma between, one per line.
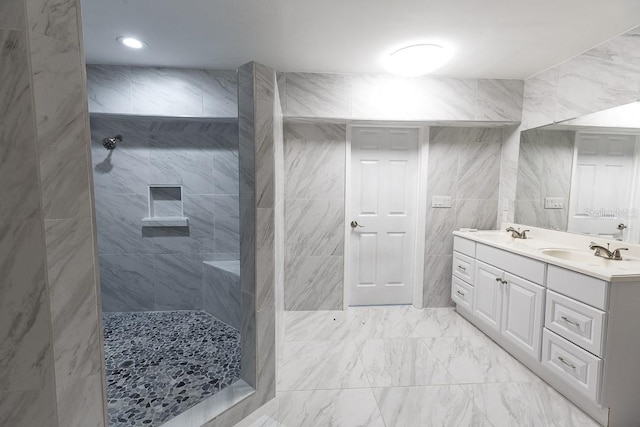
x=583, y=175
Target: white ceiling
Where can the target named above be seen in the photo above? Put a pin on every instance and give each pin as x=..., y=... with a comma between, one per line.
x=491, y=38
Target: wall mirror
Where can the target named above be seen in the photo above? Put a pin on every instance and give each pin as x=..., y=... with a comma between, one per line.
x=583, y=175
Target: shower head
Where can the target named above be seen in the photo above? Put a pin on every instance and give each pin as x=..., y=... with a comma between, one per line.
x=110, y=143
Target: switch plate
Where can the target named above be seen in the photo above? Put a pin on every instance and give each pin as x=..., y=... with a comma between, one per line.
x=441, y=202
x=554, y=202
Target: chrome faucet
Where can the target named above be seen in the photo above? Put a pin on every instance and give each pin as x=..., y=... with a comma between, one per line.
x=517, y=234
x=603, y=252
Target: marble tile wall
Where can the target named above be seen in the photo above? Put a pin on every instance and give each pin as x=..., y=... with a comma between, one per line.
x=603, y=77
x=384, y=97
x=51, y=364
x=161, y=268
x=544, y=170
x=173, y=92
x=464, y=163
x=314, y=166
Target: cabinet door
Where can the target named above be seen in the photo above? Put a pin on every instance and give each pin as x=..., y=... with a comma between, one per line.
x=487, y=299
x=522, y=314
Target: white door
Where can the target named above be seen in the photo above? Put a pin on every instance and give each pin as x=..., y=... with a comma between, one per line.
x=602, y=184
x=487, y=295
x=522, y=316
x=384, y=175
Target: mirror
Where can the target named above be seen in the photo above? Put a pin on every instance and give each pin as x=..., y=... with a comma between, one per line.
x=583, y=175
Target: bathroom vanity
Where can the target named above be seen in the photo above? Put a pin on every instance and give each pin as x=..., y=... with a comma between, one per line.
x=571, y=317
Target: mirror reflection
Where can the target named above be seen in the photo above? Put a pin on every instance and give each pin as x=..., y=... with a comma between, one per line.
x=583, y=175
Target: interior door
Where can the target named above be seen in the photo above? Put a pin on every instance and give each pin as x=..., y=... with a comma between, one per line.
x=384, y=174
x=487, y=295
x=522, y=316
x=602, y=184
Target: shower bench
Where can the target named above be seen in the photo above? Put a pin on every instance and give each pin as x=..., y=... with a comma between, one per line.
x=221, y=291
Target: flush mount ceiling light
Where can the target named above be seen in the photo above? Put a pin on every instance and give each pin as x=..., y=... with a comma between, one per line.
x=417, y=60
x=131, y=42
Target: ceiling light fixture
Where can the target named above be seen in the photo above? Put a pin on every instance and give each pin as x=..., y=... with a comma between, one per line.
x=417, y=60
x=131, y=42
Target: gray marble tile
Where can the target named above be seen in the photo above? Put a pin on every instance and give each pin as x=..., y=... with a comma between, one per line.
x=246, y=125
x=55, y=18
x=530, y=165
x=80, y=403
x=478, y=171
x=401, y=362
x=449, y=135
x=266, y=351
x=226, y=217
x=281, y=82
x=529, y=212
x=265, y=81
x=127, y=282
x=378, y=322
x=314, y=227
x=186, y=160
x=313, y=283
x=74, y=312
x=248, y=340
x=265, y=260
x=247, y=243
x=109, y=89
x=221, y=295
x=314, y=365
x=329, y=408
x=264, y=152
x=19, y=164
x=177, y=281
x=526, y=404
x=28, y=408
x=12, y=15
x=225, y=171
x=437, y=281
x=25, y=340
x=59, y=108
x=317, y=325
x=440, y=223
x=385, y=97
x=509, y=164
x=540, y=99
x=499, y=100
x=448, y=99
x=318, y=95
x=480, y=214
x=220, y=93
x=314, y=160
x=477, y=359
x=167, y=91
x=442, y=169
x=119, y=224
x=557, y=161
x=448, y=405
x=440, y=322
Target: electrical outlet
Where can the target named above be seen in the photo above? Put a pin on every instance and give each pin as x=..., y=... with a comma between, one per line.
x=554, y=202
x=441, y=202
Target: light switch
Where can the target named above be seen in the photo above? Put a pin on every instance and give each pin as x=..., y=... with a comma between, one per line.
x=554, y=202
x=441, y=202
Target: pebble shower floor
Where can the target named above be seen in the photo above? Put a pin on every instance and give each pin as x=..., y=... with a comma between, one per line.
x=158, y=364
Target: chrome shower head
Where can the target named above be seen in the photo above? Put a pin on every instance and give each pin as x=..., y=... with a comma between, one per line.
x=111, y=143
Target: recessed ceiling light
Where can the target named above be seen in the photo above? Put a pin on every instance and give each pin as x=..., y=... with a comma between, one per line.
x=417, y=60
x=131, y=42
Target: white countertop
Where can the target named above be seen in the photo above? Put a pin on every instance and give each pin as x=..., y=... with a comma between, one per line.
x=626, y=270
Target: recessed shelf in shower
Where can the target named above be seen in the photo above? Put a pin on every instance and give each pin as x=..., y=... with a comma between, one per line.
x=166, y=208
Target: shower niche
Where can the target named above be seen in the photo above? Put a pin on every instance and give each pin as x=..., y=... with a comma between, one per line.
x=166, y=207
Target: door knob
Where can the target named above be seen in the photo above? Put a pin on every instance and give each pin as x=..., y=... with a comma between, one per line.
x=355, y=224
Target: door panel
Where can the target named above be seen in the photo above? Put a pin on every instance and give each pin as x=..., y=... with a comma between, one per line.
x=522, y=316
x=487, y=299
x=384, y=194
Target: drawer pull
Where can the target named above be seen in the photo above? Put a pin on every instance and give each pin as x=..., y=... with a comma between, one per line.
x=561, y=359
x=460, y=293
x=571, y=322
x=461, y=268
x=498, y=279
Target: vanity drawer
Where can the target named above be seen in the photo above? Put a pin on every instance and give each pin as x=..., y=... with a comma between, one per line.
x=579, y=323
x=464, y=246
x=463, y=267
x=462, y=293
x=586, y=289
x=524, y=267
x=576, y=367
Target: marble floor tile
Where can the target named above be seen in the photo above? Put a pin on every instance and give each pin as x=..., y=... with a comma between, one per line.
x=401, y=362
x=526, y=404
x=321, y=325
x=422, y=406
x=336, y=408
x=309, y=365
x=440, y=322
x=379, y=322
x=478, y=360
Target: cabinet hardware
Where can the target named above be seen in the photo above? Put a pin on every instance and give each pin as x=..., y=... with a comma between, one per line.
x=504, y=282
x=461, y=268
x=460, y=293
x=498, y=279
x=566, y=319
x=560, y=358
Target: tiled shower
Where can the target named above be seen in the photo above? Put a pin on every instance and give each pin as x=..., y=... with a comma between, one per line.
x=167, y=208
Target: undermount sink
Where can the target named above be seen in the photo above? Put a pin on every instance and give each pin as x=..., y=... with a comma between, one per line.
x=574, y=255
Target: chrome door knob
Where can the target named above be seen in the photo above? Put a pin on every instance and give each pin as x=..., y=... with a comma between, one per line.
x=355, y=224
